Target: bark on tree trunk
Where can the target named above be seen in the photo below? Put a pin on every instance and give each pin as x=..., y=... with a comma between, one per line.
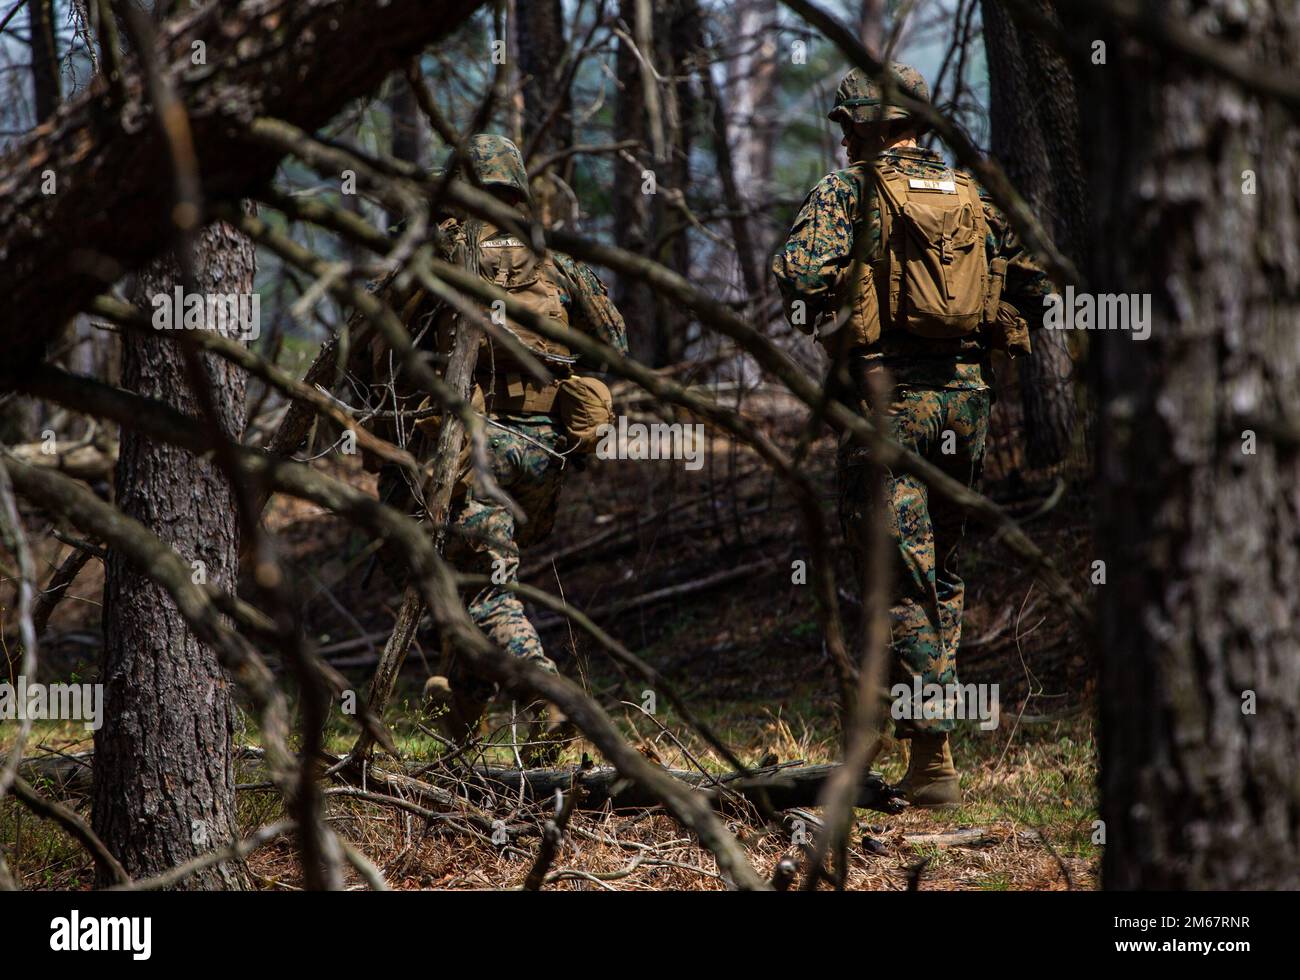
x=547, y=115
x=1200, y=616
x=45, y=57
x=408, y=133
x=749, y=96
x=1034, y=113
x=406, y=141
x=631, y=206
x=750, y=91
x=542, y=54
x=661, y=118
x=676, y=42
x=164, y=781
x=752, y=275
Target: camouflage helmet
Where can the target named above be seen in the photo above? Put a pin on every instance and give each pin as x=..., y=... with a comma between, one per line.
x=498, y=163
x=858, y=99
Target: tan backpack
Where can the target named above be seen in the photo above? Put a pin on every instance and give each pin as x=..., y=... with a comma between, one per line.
x=933, y=261
x=531, y=281
x=582, y=404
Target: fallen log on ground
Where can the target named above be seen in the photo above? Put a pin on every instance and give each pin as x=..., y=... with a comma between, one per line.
x=787, y=786
x=794, y=786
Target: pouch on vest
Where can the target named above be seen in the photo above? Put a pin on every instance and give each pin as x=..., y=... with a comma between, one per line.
x=1009, y=332
x=934, y=233
x=516, y=394
x=856, y=321
x=584, y=405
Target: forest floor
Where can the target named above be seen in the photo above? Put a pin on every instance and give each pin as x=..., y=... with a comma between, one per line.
x=738, y=640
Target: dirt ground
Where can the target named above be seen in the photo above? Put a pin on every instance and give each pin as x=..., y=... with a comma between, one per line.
x=736, y=637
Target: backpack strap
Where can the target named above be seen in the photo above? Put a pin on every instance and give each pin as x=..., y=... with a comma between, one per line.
x=997, y=266
x=893, y=198
x=881, y=180
x=966, y=185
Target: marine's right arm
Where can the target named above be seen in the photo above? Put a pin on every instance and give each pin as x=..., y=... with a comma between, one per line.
x=1026, y=282
x=590, y=308
x=818, y=251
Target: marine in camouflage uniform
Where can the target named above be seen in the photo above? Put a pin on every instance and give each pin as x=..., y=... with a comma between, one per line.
x=527, y=446
x=939, y=386
x=526, y=452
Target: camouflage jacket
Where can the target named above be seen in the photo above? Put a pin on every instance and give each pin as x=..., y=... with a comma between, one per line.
x=819, y=251
x=386, y=385
x=589, y=307
x=584, y=297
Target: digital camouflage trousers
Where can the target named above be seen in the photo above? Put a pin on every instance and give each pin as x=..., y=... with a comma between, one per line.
x=485, y=538
x=949, y=428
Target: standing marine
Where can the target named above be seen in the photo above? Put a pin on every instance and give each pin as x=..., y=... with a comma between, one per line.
x=536, y=432
x=904, y=270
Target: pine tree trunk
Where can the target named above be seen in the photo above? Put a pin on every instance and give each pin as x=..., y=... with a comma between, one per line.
x=408, y=138
x=1034, y=113
x=751, y=90
x=632, y=207
x=542, y=65
x=45, y=57
x=406, y=142
x=661, y=117
x=1200, y=686
x=677, y=39
x=547, y=106
x=164, y=780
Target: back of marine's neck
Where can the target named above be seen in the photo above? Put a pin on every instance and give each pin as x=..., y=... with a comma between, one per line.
x=905, y=143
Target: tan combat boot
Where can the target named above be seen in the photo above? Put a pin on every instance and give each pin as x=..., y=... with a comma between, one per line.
x=931, y=779
x=547, y=732
x=456, y=713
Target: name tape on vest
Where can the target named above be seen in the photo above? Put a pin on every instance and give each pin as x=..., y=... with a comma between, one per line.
x=502, y=243
x=922, y=184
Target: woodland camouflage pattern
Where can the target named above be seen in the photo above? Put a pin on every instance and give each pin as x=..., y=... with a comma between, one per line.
x=939, y=385
x=486, y=540
x=926, y=618
x=818, y=252
x=589, y=307
x=496, y=162
x=859, y=98
x=525, y=453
